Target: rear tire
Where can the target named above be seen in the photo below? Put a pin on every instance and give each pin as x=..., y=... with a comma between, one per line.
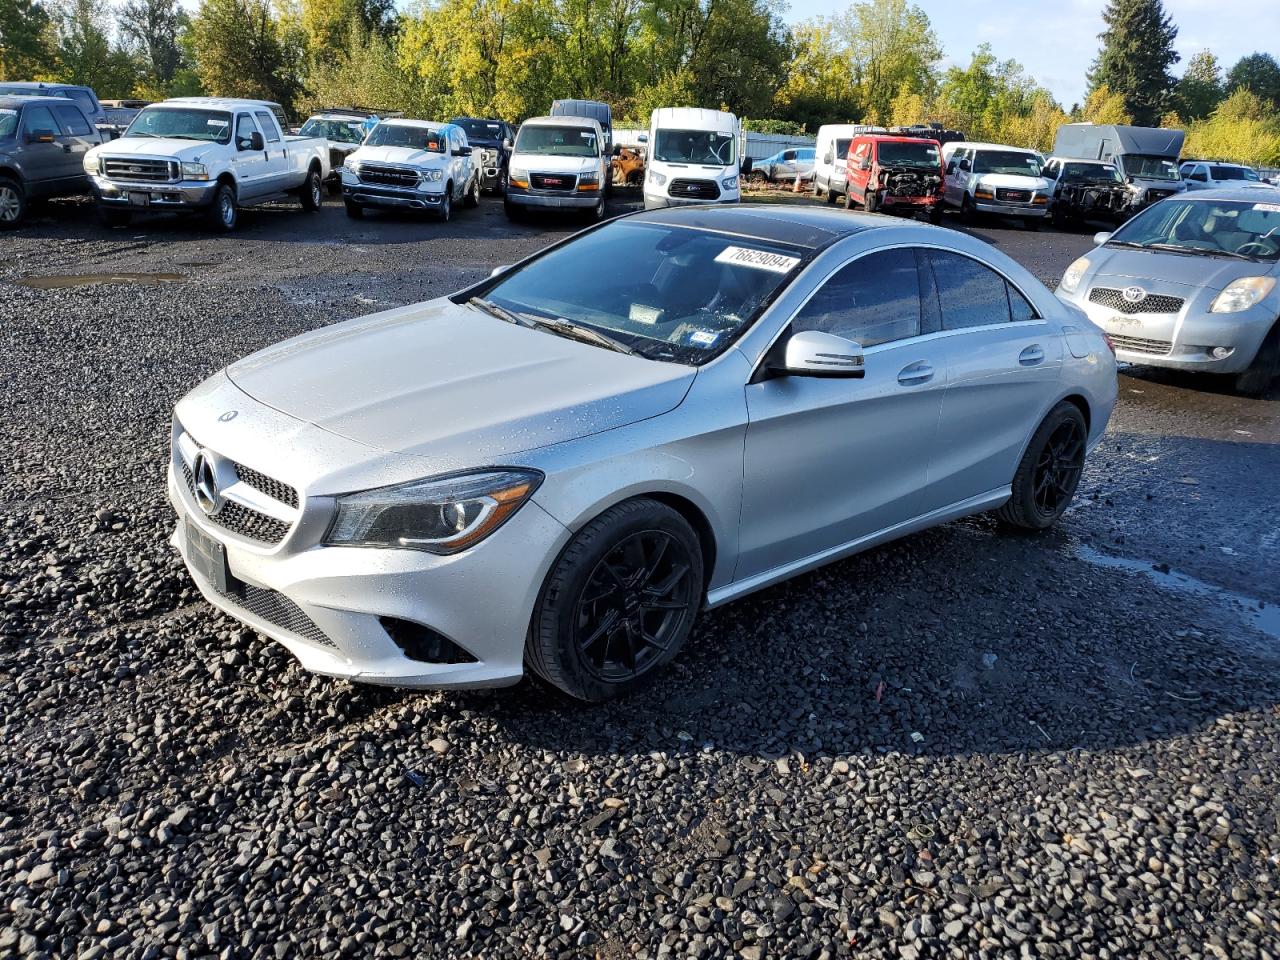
x=223, y=215
x=13, y=203
x=354, y=210
x=1049, y=472
x=619, y=603
x=312, y=194
x=1265, y=367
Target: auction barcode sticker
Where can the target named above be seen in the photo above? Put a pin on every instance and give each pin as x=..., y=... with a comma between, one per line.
x=757, y=259
x=1267, y=207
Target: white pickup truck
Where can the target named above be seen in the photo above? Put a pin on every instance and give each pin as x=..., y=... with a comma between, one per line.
x=205, y=154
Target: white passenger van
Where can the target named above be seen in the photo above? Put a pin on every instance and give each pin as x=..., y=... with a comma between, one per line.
x=695, y=156
x=830, y=153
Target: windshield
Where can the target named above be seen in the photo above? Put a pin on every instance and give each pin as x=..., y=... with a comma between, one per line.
x=185, y=123
x=670, y=293
x=1006, y=161
x=557, y=141
x=489, y=130
x=8, y=122
x=1206, y=227
x=1143, y=167
x=908, y=155
x=404, y=135
x=343, y=131
x=1232, y=173
x=695, y=146
x=1091, y=172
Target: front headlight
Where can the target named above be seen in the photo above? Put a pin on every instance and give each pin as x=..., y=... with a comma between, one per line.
x=1075, y=273
x=353, y=167
x=194, y=171
x=444, y=515
x=91, y=163
x=731, y=183
x=586, y=179
x=517, y=177
x=1242, y=294
x=431, y=176
x=657, y=179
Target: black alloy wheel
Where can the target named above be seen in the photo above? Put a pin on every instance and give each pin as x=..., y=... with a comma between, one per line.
x=1049, y=472
x=630, y=612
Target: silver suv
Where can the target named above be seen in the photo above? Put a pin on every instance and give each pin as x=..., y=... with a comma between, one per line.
x=1207, y=174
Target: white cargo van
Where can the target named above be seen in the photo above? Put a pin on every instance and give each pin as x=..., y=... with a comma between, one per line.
x=695, y=156
x=830, y=152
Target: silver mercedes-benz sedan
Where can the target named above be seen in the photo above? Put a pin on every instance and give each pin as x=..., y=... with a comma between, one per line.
x=1190, y=283
x=560, y=466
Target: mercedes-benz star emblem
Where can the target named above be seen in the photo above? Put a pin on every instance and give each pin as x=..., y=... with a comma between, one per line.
x=205, y=477
x=1134, y=294
x=228, y=416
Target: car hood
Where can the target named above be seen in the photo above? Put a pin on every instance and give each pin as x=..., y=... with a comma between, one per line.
x=409, y=156
x=452, y=384
x=551, y=163
x=1013, y=181
x=189, y=150
x=1188, y=270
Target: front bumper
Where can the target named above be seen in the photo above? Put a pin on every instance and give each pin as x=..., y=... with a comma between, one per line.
x=324, y=604
x=657, y=201
x=927, y=202
x=376, y=195
x=1182, y=340
x=183, y=194
x=568, y=200
x=1001, y=208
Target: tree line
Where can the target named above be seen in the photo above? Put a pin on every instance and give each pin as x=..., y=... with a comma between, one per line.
x=878, y=61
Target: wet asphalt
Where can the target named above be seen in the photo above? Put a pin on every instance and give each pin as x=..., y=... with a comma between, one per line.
x=963, y=744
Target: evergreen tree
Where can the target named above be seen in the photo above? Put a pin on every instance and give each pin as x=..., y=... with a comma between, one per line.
x=24, y=49
x=1200, y=90
x=1137, y=52
x=1259, y=74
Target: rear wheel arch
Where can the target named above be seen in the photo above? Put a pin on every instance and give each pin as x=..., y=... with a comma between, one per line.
x=1083, y=406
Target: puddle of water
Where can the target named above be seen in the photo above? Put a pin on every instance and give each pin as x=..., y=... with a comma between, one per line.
x=1264, y=617
x=60, y=281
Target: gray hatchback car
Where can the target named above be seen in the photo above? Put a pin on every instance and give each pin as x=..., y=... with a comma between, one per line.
x=1190, y=283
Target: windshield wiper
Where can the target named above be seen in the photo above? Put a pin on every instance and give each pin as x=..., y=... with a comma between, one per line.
x=564, y=328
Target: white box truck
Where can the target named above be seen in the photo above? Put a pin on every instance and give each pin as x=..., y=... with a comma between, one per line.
x=695, y=156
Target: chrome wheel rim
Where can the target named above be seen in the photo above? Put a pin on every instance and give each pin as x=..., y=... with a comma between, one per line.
x=1058, y=468
x=228, y=209
x=10, y=204
x=315, y=190
x=634, y=606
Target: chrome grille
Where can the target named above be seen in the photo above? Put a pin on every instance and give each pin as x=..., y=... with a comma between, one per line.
x=388, y=176
x=694, y=189
x=1113, y=299
x=240, y=519
x=140, y=171
x=277, y=609
x=1154, y=348
x=273, y=488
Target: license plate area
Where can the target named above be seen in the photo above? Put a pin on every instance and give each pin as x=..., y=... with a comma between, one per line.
x=137, y=199
x=208, y=558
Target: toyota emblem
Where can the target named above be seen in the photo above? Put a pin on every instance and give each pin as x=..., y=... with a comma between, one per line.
x=205, y=478
x=1134, y=294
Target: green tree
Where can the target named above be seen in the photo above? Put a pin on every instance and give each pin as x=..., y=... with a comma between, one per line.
x=325, y=23
x=86, y=54
x=152, y=27
x=241, y=51
x=981, y=98
x=1105, y=106
x=1259, y=74
x=1200, y=90
x=1137, y=52
x=24, y=33
x=819, y=86
x=366, y=72
x=1244, y=128
x=891, y=47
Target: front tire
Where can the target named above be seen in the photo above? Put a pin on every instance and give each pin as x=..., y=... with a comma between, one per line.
x=967, y=213
x=446, y=204
x=1049, y=472
x=472, y=199
x=596, y=213
x=223, y=215
x=354, y=210
x=1265, y=367
x=870, y=201
x=312, y=195
x=619, y=603
x=13, y=203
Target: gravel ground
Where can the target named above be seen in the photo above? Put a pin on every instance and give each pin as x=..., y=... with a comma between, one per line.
x=966, y=744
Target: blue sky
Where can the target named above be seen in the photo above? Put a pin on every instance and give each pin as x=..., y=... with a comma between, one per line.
x=1056, y=40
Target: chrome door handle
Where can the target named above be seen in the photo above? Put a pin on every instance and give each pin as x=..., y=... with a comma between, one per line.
x=1031, y=355
x=915, y=373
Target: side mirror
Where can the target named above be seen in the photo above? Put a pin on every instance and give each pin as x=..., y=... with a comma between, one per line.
x=965, y=165
x=828, y=157
x=501, y=268
x=40, y=136
x=812, y=353
x=506, y=143
x=951, y=168
x=865, y=164
x=746, y=166
x=1100, y=238
x=255, y=142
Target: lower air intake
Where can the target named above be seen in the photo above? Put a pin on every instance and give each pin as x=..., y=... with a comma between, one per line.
x=422, y=643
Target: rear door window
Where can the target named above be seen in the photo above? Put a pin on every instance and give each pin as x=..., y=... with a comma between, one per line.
x=874, y=299
x=971, y=294
x=73, y=120
x=268, y=124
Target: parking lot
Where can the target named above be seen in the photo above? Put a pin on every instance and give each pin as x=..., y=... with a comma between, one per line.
x=963, y=744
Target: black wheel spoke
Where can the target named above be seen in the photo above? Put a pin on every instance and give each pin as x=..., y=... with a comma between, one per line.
x=1058, y=468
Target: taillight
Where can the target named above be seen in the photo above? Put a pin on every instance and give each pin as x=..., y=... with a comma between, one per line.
x=1110, y=343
